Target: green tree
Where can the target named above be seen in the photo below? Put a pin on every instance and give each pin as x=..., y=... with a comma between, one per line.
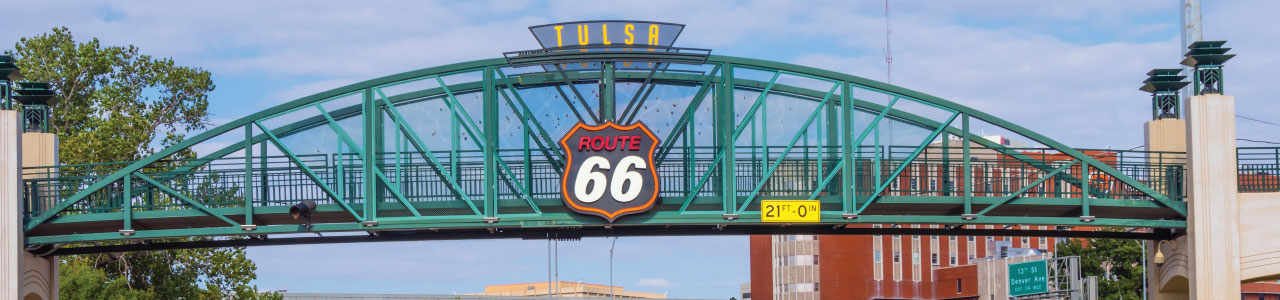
x=116, y=104
x=1116, y=262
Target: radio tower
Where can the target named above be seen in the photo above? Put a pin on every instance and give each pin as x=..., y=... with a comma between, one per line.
x=888, y=49
x=888, y=59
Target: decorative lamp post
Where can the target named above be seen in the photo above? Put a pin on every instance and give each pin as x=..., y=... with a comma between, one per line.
x=35, y=97
x=1164, y=84
x=8, y=74
x=1206, y=59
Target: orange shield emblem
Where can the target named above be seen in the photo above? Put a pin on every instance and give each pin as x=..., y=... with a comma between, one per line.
x=609, y=171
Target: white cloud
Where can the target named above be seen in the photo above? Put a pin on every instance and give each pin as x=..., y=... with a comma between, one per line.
x=659, y=282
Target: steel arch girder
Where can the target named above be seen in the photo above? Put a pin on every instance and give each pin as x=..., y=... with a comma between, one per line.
x=480, y=64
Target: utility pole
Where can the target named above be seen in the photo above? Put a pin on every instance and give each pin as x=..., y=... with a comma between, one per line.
x=611, y=245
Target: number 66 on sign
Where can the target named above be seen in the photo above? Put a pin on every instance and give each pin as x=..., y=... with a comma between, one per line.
x=609, y=170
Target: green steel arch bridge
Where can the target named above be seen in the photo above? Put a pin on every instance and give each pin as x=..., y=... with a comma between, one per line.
x=470, y=150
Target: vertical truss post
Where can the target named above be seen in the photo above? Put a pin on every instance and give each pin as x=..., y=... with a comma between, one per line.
x=607, y=93
x=725, y=126
x=764, y=131
x=848, y=182
x=248, y=178
x=833, y=139
x=369, y=114
x=875, y=158
x=340, y=181
x=946, y=163
x=968, y=172
x=401, y=147
x=1085, y=216
x=455, y=140
x=490, y=148
x=689, y=155
x=528, y=155
x=262, y=164
x=127, y=206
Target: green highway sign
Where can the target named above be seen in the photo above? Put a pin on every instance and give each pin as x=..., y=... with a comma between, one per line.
x=1028, y=278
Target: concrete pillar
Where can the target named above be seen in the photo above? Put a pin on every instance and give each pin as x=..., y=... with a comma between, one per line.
x=1213, y=227
x=1167, y=281
x=22, y=275
x=11, y=246
x=40, y=274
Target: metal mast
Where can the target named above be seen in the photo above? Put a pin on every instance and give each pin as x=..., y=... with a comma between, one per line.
x=1191, y=32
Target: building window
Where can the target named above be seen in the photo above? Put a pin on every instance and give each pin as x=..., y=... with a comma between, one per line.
x=897, y=258
x=959, y=285
x=933, y=258
x=953, y=259
x=815, y=259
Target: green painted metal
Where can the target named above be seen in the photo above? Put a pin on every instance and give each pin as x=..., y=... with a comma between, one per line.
x=1022, y=190
x=716, y=178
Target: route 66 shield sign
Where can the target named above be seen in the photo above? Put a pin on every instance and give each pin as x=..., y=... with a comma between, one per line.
x=610, y=171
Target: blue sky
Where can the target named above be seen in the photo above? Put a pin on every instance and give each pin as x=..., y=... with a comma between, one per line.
x=1067, y=69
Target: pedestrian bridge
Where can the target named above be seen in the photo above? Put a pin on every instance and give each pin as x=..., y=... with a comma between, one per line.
x=471, y=150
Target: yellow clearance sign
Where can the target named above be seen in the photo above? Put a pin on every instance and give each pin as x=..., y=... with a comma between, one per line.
x=790, y=211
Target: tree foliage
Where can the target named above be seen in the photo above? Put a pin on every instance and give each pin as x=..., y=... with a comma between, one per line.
x=1116, y=262
x=116, y=104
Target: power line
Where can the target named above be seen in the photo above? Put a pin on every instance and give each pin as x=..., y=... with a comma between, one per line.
x=1257, y=141
x=1256, y=120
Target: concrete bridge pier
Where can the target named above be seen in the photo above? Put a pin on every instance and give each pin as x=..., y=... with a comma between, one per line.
x=1207, y=262
x=22, y=275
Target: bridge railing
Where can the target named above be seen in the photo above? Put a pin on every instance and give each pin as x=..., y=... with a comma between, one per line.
x=221, y=183
x=1259, y=169
x=940, y=172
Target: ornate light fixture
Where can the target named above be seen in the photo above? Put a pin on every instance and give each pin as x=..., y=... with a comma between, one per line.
x=1206, y=59
x=1163, y=84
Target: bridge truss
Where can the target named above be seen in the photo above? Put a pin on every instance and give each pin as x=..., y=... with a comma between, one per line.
x=469, y=150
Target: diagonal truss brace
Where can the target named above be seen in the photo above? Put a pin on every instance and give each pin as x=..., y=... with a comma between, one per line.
x=1026, y=188
x=923, y=144
x=310, y=174
x=426, y=153
x=176, y=194
x=478, y=141
x=367, y=159
x=800, y=133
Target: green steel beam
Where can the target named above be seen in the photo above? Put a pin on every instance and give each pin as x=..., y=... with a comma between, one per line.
x=490, y=147
x=310, y=174
x=764, y=178
x=184, y=198
x=607, y=93
x=724, y=124
x=1022, y=190
x=371, y=171
x=426, y=153
x=1103, y=168
x=893, y=176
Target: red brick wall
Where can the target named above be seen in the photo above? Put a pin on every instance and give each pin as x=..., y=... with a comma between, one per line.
x=761, y=267
x=845, y=266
